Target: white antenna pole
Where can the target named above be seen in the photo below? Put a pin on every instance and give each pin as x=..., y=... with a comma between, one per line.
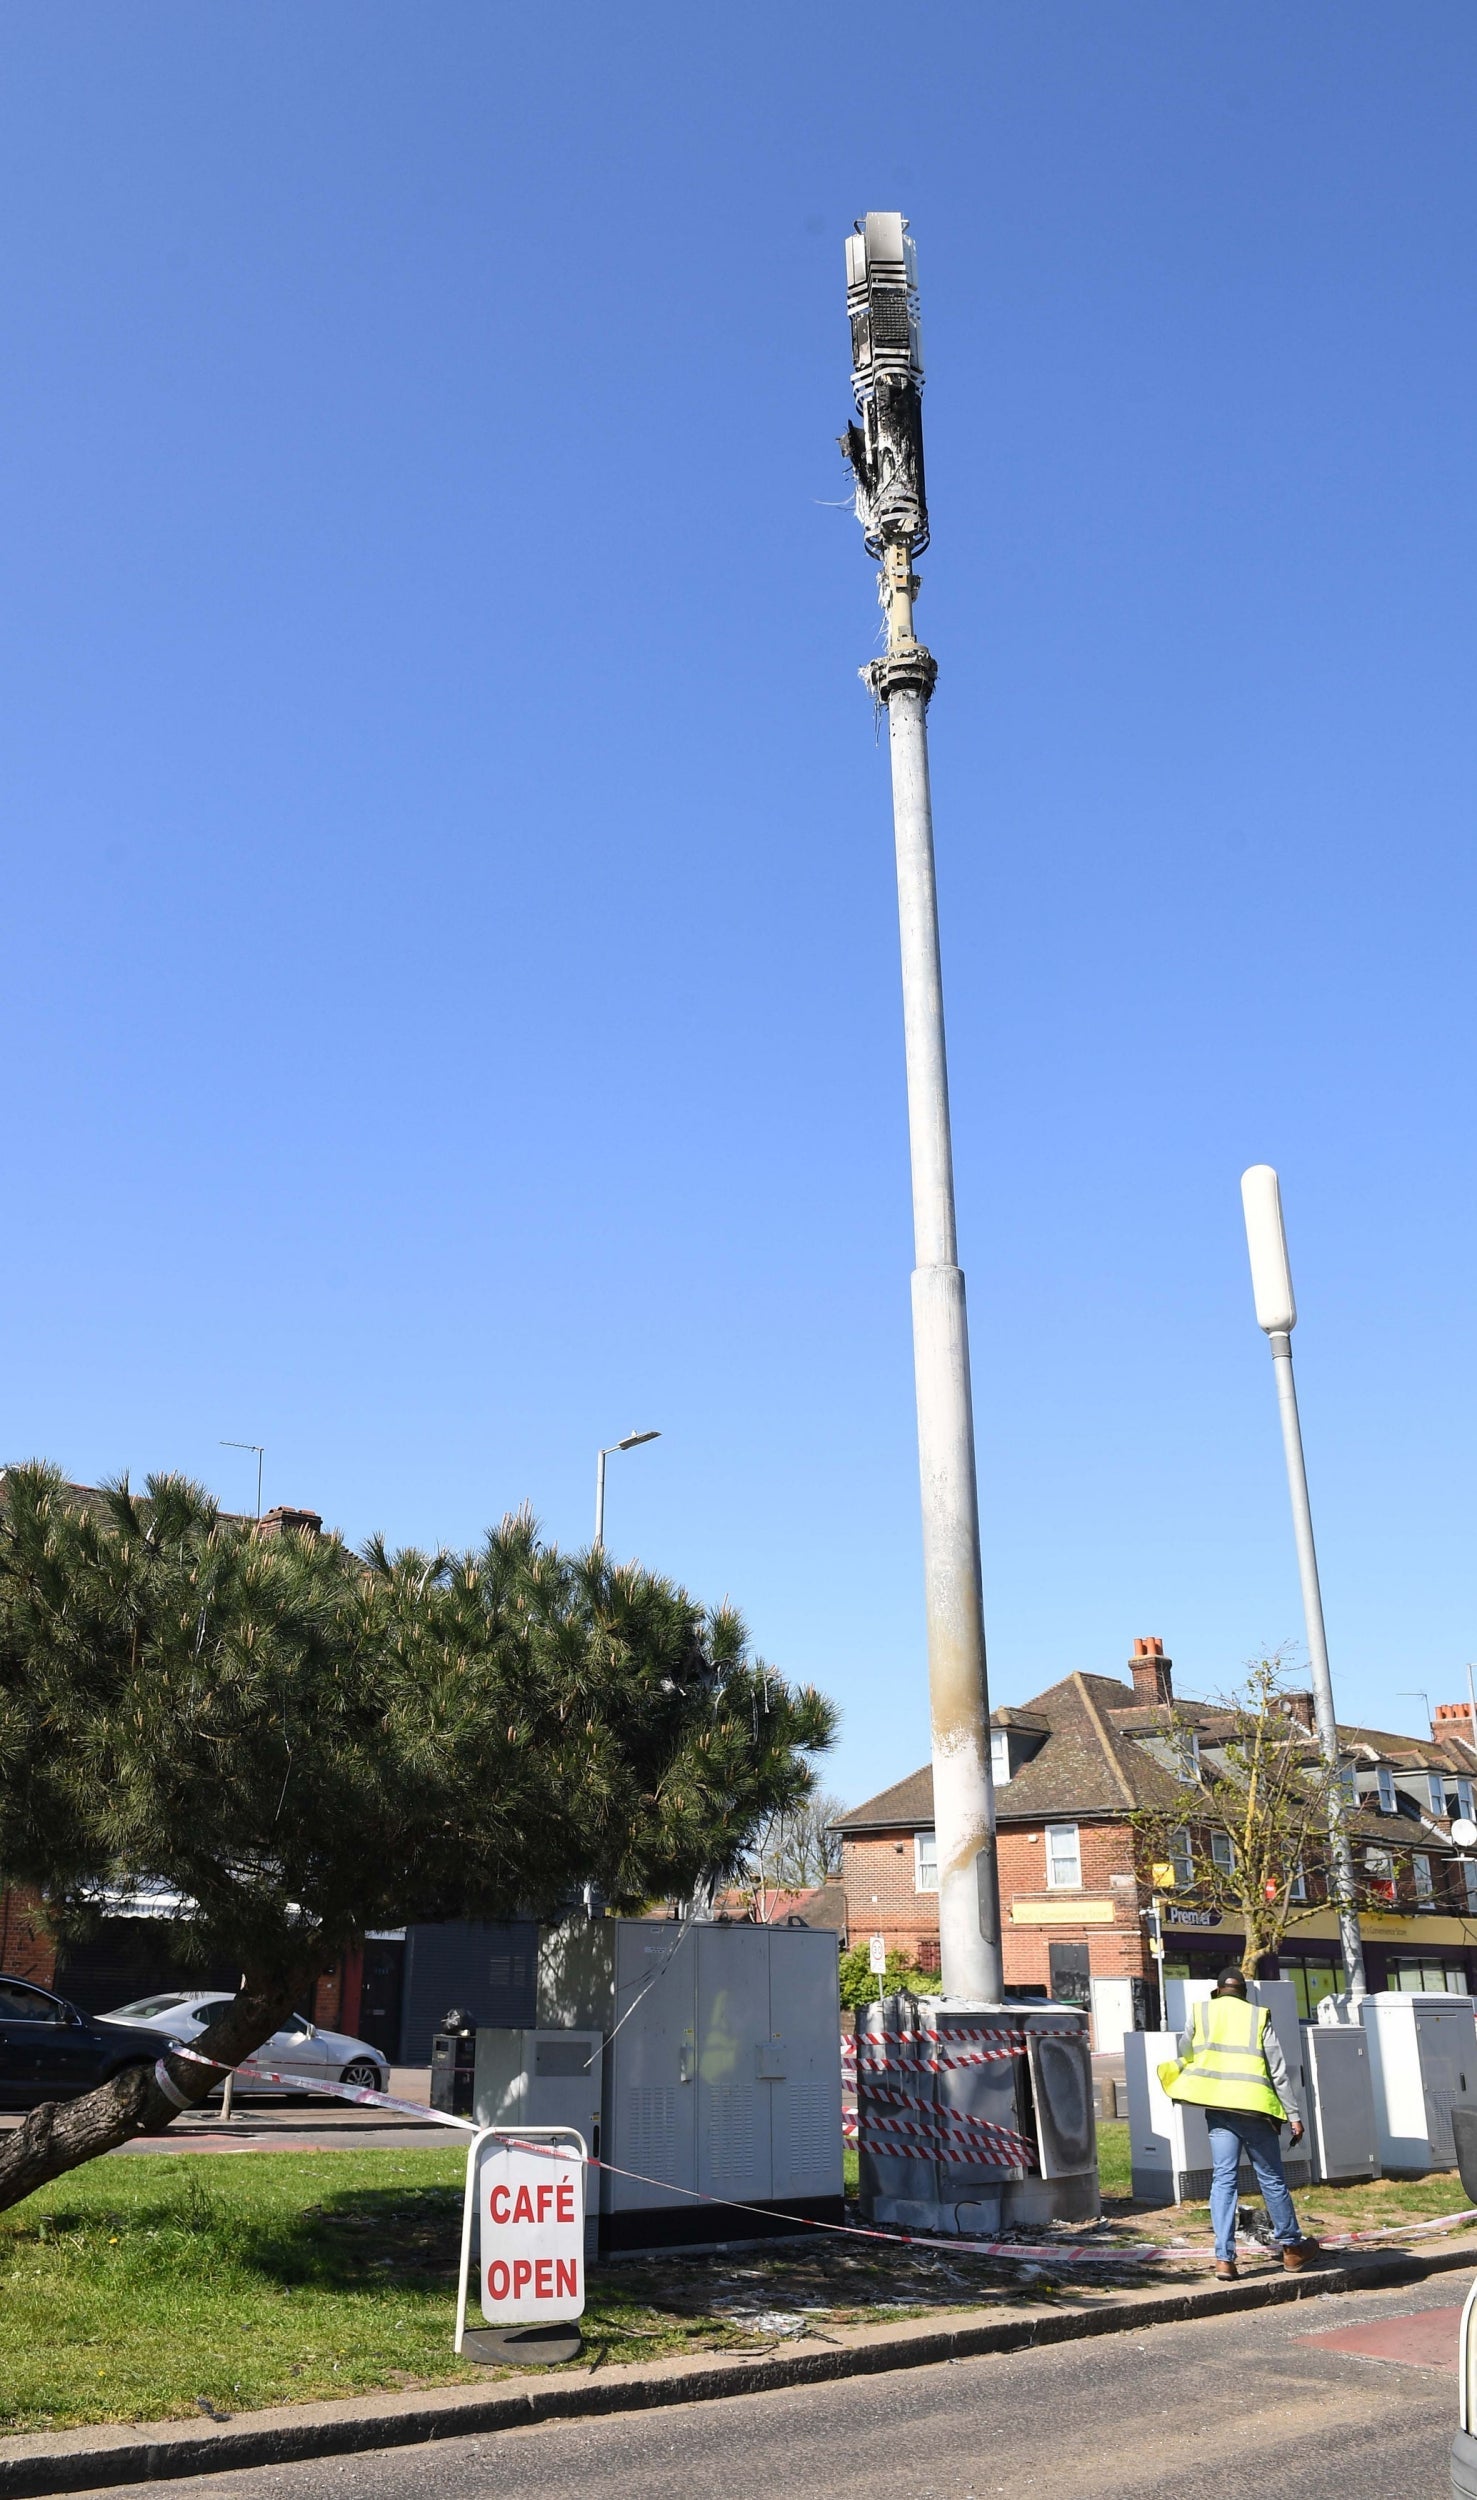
x=1276, y=1312
x=886, y=452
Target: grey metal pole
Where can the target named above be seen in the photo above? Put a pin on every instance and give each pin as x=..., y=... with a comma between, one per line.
x=886, y=455
x=1277, y=1315
x=632, y=1441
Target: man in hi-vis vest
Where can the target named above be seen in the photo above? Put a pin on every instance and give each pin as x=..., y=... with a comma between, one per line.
x=1231, y=2064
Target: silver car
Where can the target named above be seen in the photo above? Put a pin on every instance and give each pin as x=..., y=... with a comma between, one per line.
x=299, y=2048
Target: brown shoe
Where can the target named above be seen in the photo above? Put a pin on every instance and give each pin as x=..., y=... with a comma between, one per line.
x=1226, y=2270
x=1302, y=2253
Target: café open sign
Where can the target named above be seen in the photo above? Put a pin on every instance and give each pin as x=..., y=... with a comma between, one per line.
x=530, y=2206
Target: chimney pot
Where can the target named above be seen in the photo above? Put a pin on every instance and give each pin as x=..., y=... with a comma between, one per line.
x=285, y=1522
x=1452, y=1718
x=1152, y=1672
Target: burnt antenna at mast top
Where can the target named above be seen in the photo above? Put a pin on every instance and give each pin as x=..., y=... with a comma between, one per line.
x=885, y=446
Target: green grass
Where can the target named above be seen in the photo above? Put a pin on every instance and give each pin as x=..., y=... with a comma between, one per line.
x=1370, y=2205
x=139, y=2284
x=1114, y=2172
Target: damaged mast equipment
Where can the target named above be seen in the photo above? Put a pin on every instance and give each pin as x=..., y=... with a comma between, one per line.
x=885, y=449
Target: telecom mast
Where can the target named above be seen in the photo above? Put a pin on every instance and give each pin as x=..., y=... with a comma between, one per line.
x=885, y=449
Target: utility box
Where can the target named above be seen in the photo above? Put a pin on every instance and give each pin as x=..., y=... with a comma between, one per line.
x=974, y=2118
x=1340, y=2093
x=453, y=2058
x=1423, y=2065
x=543, y=2079
x=721, y=2073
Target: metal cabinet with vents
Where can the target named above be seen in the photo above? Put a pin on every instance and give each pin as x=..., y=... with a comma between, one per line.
x=1423, y=2064
x=722, y=2073
x=542, y=2079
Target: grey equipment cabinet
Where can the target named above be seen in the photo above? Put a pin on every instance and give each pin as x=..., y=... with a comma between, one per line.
x=543, y=2079
x=1340, y=2102
x=973, y=2118
x=721, y=2101
x=1423, y=2064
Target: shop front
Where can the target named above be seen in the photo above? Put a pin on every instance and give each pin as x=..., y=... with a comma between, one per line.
x=1417, y=1954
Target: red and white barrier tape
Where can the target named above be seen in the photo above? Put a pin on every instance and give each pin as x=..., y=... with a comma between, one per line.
x=937, y=2064
x=1402, y=2230
x=731, y=2204
x=847, y=2230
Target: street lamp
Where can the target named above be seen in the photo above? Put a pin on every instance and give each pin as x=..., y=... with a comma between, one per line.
x=885, y=449
x=1276, y=1313
x=632, y=1441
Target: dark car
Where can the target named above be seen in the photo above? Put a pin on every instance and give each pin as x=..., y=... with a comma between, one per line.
x=51, y=2052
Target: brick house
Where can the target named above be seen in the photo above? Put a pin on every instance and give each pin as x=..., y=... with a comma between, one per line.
x=1072, y=1767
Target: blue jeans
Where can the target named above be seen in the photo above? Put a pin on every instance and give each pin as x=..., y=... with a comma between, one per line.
x=1232, y=2133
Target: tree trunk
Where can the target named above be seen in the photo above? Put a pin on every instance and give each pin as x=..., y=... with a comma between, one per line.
x=61, y=2135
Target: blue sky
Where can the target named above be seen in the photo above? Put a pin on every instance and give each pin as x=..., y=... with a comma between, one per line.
x=449, y=945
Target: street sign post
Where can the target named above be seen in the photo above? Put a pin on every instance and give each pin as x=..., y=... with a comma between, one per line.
x=524, y=2216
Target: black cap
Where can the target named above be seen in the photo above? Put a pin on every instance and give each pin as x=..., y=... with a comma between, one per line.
x=1235, y=1978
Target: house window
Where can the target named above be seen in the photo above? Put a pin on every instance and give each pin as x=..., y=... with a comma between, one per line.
x=1063, y=1857
x=1223, y=1851
x=1420, y=1867
x=1190, y=1753
x=999, y=1755
x=1298, y=1888
x=1379, y=1867
x=1464, y=1799
x=1182, y=1857
x=1349, y=1783
x=1386, y=1779
x=1436, y=1792
x=925, y=1861
x=1469, y=1875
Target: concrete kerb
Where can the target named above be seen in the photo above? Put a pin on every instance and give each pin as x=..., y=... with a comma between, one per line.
x=108, y=2455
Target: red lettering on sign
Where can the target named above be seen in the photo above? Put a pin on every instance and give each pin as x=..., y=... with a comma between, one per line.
x=543, y=2279
x=545, y=2200
x=564, y=2209
x=499, y=2213
x=522, y=2275
x=523, y=2210
x=567, y=2285
x=497, y=2278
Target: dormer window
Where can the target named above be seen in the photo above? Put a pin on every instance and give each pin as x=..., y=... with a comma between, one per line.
x=1436, y=1792
x=1000, y=1755
x=1464, y=1800
x=1386, y=1779
x=1189, y=1744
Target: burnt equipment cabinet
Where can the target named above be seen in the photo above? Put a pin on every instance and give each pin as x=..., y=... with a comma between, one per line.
x=720, y=2073
x=974, y=2118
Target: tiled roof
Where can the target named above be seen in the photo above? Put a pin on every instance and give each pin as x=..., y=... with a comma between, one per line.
x=1085, y=1766
x=1093, y=1765
x=910, y=1803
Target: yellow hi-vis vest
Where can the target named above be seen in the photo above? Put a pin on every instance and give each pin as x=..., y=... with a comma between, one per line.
x=1226, y=2068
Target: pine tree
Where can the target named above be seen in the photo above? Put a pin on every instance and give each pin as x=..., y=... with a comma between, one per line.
x=304, y=1743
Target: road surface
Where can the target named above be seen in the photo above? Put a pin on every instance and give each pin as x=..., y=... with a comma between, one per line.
x=1196, y=2411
